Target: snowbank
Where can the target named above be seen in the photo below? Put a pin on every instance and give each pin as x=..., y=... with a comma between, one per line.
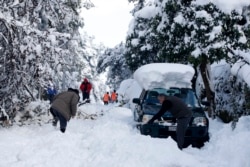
x=37, y=112
x=128, y=90
x=112, y=141
x=242, y=70
x=164, y=75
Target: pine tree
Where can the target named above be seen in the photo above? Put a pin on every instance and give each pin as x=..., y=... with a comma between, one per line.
x=173, y=32
x=139, y=48
x=246, y=22
x=113, y=60
x=186, y=32
x=215, y=35
x=39, y=40
x=157, y=38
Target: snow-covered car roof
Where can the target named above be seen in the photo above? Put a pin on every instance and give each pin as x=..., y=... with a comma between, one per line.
x=164, y=75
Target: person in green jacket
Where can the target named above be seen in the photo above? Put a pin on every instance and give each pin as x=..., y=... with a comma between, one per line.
x=64, y=106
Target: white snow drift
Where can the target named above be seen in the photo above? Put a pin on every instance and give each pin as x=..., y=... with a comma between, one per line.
x=113, y=141
x=128, y=90
x=242, y=70
x=164, y=75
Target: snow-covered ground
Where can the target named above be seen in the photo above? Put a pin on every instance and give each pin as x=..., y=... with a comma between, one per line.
x=112, y=141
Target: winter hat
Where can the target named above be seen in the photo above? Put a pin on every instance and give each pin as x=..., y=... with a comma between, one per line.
x=85, y=80
x=74, y=90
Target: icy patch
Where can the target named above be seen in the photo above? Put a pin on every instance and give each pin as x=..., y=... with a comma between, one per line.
x=164, y=75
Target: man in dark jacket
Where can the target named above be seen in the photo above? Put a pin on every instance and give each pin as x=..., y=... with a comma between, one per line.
x=64, y=107
x=179, y=110
x=85, y=88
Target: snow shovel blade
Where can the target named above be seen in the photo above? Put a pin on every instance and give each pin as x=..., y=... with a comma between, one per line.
x=84, y=102
x=80, y=104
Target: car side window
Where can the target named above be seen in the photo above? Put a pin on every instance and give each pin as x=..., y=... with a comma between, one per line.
x=151, y=97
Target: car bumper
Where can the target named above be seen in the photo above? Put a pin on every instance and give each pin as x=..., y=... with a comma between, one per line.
x=192, y=134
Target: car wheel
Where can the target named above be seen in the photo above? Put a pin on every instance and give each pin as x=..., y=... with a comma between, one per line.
x=134, y=113
x=198, y=144
x=206, y=139
x=136, y=116
x=201, y=143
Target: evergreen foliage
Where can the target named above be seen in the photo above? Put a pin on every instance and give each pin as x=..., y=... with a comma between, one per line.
x=39, y=40
x=190, y=33
x=114, y=62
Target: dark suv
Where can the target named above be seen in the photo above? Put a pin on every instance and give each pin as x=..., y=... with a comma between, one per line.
x=148, y=105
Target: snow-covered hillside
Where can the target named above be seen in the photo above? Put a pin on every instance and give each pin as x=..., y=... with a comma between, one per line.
x=113, y=141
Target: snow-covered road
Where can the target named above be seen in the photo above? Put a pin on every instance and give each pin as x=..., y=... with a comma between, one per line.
x=112, y=141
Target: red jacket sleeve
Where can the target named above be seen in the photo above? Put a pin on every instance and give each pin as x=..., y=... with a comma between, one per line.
x=89, y=87
x=82, y=87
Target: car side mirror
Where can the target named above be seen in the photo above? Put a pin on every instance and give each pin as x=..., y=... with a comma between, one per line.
x=205, y=103
x=136, y=101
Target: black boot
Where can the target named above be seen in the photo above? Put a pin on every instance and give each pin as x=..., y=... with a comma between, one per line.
x=62, y=130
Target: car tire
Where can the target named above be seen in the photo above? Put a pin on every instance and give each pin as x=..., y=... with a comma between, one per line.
x=198, y=144
x=201, y=143
x=136, y=116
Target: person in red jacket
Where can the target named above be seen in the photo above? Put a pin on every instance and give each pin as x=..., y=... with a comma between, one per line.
x=85, y=88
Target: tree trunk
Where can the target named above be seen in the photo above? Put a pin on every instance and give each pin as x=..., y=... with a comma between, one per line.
x=209, y=93
x=194, y=79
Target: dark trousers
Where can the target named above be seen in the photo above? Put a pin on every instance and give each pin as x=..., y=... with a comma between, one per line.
x=50, y=97
x=85, y=96
x=105, y=102
x=182, y=124
x=58, y=116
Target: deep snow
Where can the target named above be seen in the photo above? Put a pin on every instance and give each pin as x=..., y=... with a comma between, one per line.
x=242, y=70
x=164, y=75
x=128, y=90
x=112, y=140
